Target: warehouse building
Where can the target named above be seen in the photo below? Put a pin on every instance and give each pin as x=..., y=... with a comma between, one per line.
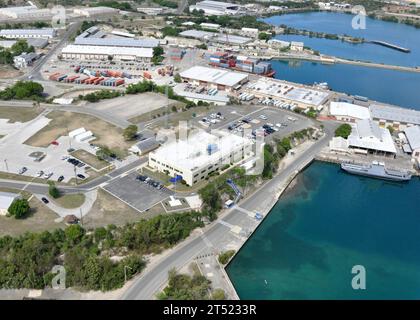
x=367, y=137
x=299, y=96
x=348, y=112
x=398, y=118
x=214, y=78
x=46, y=33
x=25, y=12
x=200, y=155
x=413, y=138
x=37, y=43
x=215, y=37
x=117, y=42
x=95, y=11
x=216, y=8
x=24, y=59
x=75, y=52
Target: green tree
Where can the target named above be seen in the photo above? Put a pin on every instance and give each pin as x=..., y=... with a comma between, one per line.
x=224, y=257
x=177, y=78
x=343, y=131
x=130, y=132
x=74, y=234
x=19, y=208
x=264, y=36
x=53, y=190
x=218, y=294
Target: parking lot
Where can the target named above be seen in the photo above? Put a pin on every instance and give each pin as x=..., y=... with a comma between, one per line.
x=274, y=121
x=137, y=194
x=38, y=162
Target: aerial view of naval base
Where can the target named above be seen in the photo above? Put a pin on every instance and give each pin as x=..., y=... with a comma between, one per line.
x=205, y=150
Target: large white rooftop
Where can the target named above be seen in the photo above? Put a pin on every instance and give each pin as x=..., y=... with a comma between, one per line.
x=413, y=136
x=216, y=76
x=280, y=89
x=103, y=50
x=366, y=134
x=217, y=5
x=48, y=32
x=6, y=199
x=395, y=114
x=117, y=42
x=193, y=153
x=349, y=110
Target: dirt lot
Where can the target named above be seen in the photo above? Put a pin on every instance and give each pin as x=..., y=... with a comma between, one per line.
x=90, y=159
x=7, y=72
x=109, y=210
x=105, y=133
x=39, y=219
x=19, y=114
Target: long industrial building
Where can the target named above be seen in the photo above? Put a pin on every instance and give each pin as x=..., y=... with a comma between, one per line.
x=200, y=155
x=214, y=78
x=104, y=52
x=25, y=12
x=94, y=11
x=216, y=8
x=46, y=33
x=117, y=42
x=368, y=137
x=348, y=112
x=301, y=97
x=398, y=118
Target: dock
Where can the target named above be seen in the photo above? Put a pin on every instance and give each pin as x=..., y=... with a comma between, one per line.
x=390, y=45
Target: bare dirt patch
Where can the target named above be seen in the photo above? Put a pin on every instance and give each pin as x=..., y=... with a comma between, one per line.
x=65, y=121
x=109, y=210
x=19, y=114
x=7, y=72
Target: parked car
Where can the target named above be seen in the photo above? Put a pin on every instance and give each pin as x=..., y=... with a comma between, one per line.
x=81, y=176
x=48, y=175
x=60, y=178
x=45, y=200
x=40, y=173
x=23, y=170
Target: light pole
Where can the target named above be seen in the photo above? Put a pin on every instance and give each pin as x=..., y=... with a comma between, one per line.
x=5, y=163
x=125, y=272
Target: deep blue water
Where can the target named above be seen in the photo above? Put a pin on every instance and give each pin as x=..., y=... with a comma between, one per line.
x=322, y=227
x=338, y=23
x=388, y=86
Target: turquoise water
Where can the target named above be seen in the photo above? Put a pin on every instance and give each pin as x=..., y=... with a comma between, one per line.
x=338, y=23
x=322, y=227
x=388, y=86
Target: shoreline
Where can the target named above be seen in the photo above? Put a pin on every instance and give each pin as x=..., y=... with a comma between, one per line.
x=282, y=187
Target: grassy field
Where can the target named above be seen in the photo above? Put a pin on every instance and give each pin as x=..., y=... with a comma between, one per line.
x=70, y=201
x=90, y=159
x=64, y=121
x=19, y=114
x=39, y=219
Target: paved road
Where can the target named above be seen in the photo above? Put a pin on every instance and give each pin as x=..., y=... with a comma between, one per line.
x=35, y=71
x=39, y=188
x=148, y=284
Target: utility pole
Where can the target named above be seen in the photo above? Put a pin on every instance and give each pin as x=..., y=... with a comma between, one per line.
x=125, y=272
x=7, y=166
x=81, y=216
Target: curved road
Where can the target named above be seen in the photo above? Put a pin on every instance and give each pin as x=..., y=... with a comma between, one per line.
x=147, y=285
